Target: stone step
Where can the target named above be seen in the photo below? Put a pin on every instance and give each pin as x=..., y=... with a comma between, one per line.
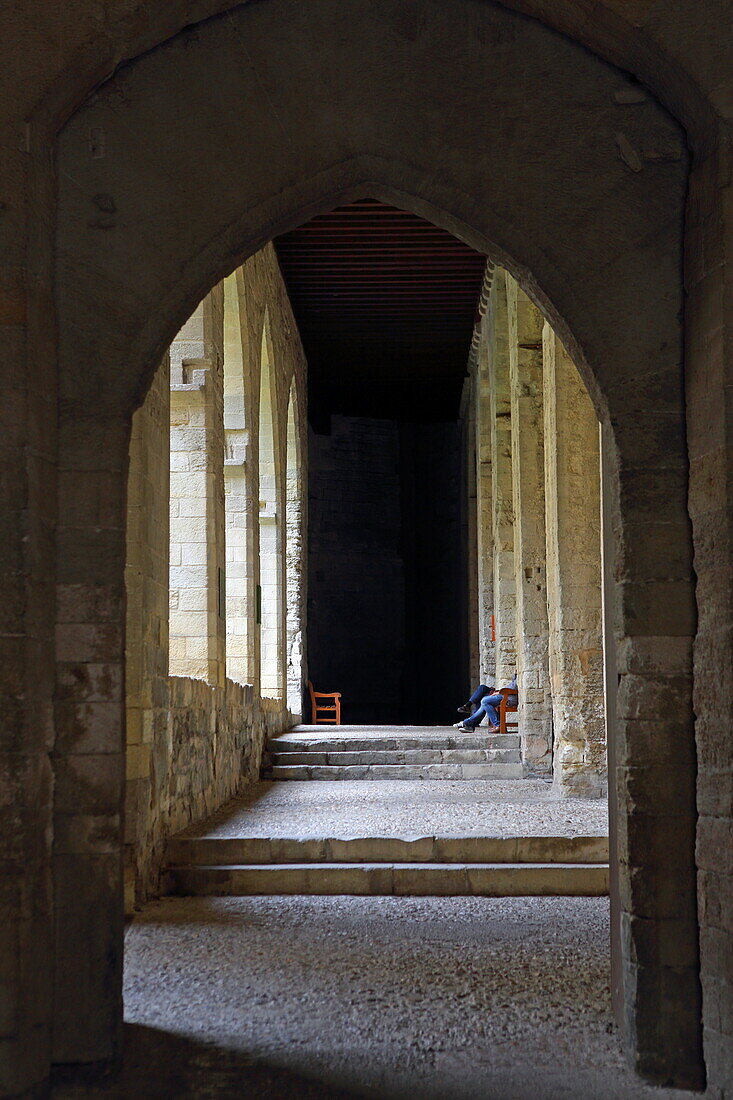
x=381, y=743
x=408, y=756
x=375, y=849
x=400, y=879
x=397, y=771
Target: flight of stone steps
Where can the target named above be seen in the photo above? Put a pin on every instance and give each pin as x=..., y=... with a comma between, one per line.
x=392, y=752
x=426, y=866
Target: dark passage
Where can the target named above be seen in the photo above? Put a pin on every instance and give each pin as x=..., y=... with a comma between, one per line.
x=385, y=303
x=386, y=613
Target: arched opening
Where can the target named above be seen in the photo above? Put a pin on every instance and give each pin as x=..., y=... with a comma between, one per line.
x=294, y=575
x=270, y=598
x=440, y=171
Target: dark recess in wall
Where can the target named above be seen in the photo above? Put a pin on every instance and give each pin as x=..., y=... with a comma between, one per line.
x=386, y=607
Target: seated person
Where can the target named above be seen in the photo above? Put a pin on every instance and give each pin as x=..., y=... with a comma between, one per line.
x=485, y=701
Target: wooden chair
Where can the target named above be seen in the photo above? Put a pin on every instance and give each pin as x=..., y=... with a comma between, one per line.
x=505, y=708
x=316, y=707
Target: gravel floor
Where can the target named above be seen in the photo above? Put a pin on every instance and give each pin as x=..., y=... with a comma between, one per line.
x=435, y=998
x=346, y=808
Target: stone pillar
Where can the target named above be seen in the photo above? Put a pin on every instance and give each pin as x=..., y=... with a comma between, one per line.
x=28, y=504
x=469, y=517
x=295, y=571
x=528, y=485
x=89, y=756
x=146, y=636
x=240, y=619
x=484, y=516
x=572, y=502
x=272, y=679
x=709, y=405
x=197, y=552
x=501, y=482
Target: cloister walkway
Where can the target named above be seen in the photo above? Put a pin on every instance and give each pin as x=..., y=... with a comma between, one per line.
x=474, y=807
x=344, y=996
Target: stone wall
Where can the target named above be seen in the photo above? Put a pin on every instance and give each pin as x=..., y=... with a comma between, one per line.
x=215, y=738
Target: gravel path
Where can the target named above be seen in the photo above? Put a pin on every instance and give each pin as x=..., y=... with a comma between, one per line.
x=346, y=808
x=434, y=998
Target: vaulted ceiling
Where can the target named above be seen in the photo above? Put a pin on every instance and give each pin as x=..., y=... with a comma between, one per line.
x=385, y=303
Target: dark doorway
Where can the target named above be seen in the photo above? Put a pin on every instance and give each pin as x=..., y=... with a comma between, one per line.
x=385, y=303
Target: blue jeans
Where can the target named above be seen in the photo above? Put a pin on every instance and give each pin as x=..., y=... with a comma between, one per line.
x=486, y=705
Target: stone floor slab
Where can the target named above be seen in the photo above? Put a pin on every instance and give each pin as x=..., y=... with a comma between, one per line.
x=326, y=998
x=525, y=807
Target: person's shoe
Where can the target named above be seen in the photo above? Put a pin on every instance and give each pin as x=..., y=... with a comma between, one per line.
x=458, y=725
x=465, y=709
x=493, y=729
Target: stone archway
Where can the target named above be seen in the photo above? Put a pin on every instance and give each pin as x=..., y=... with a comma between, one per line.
x=160, y=195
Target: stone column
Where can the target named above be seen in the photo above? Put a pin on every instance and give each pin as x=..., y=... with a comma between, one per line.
x=484, y=516
x=501, y=482
x=572, y=502
x=197, y=563
x=240, y=624
x=146, y=636
x=709, y=407
x=469, y=510
x=271, y=559
x=528, y=478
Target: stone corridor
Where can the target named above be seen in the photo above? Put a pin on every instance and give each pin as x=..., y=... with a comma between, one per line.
x=345, y=996
x=386, y=345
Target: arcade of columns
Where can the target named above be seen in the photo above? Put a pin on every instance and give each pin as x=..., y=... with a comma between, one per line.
x=214, y=572
x=216, y=560
x=538, y=532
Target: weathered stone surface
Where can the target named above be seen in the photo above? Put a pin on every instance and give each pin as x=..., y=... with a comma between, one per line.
x=601, y=239
x=572, y=508
x=525, y=323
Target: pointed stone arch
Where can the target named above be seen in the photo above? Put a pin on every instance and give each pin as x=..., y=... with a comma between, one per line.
x=490, y=160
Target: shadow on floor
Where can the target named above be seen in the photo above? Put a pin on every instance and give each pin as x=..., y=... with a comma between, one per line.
x=161, y=1066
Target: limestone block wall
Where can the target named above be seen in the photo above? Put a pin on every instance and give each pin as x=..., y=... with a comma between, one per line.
x=572, y=499
x=216, y=737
